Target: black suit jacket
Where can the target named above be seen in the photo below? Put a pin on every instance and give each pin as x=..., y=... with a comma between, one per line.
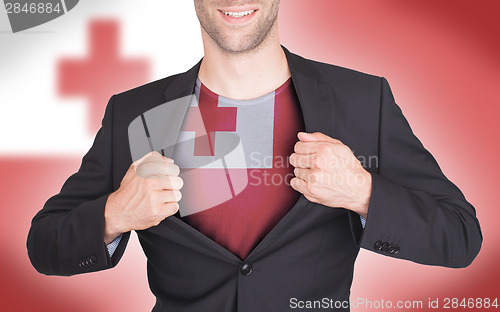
x=415, y=212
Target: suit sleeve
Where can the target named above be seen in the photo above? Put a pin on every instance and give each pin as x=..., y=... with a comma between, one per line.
x=67, y=236
x=415, y=212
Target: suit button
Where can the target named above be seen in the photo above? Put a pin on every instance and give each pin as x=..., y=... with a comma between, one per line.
x=93, y=260
x=83, y=264
x=378, y=245
x=396, y=249
x=246, y=269
x=390, y=249
x=384, y=246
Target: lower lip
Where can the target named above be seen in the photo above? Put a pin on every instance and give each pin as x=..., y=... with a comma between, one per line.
x=237, y=20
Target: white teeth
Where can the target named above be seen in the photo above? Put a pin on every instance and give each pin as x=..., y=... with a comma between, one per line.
x=239, y=14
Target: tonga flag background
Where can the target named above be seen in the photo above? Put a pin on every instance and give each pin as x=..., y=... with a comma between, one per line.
x=441, y=58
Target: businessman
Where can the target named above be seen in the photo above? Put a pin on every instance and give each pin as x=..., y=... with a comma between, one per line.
x=268, y=242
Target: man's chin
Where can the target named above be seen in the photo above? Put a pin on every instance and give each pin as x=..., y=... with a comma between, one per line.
x=240, y=45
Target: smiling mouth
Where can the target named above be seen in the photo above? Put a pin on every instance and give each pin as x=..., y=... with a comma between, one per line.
x=239, y=14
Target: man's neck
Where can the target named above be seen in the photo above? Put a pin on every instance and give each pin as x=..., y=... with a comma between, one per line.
x=244, y=76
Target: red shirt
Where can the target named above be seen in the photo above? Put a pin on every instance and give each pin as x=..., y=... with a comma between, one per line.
x=241, y=222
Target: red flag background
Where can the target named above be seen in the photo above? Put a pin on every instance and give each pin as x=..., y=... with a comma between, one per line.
x=440, y=57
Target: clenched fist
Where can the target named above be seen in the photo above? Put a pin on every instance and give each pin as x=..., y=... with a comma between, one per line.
x=327, y=172
x=148, y=193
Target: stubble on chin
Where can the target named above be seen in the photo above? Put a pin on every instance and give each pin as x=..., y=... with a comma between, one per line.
x=243, y=45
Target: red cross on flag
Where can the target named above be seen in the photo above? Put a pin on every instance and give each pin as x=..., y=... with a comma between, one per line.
x=217, y=119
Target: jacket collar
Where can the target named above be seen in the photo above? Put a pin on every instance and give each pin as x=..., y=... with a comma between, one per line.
x=315, y=96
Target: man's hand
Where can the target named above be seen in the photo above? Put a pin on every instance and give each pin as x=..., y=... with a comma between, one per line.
x=148, y=193
x=327, y=172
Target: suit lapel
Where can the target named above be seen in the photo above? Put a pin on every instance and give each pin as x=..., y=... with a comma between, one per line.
x=316, y=98
x=178, y=96
x=182, y=84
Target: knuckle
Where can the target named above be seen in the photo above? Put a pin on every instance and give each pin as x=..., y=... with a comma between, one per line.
x=154, y=199
x=313, y=177
x=149, y=198
x=158, y=184
x=323, y=148
x=329, y=150
x=345, y=150
x=315, y=172
x=317, y=161
x=148, y=183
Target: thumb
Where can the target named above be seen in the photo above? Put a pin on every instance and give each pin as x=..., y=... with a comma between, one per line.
x=316, y=137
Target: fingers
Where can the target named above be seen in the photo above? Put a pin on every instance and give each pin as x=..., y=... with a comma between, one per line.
x=298, y=185
x=311, y=176
x=303, y=147
x=301, y=186
x=165, y=183
x=171, y=208
x=171, y=196
x=301, y=173
x=157, y=169
x=316, y=137
x=317, y=142
x=169, y=160
x=171, y=183
x=303, y=161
